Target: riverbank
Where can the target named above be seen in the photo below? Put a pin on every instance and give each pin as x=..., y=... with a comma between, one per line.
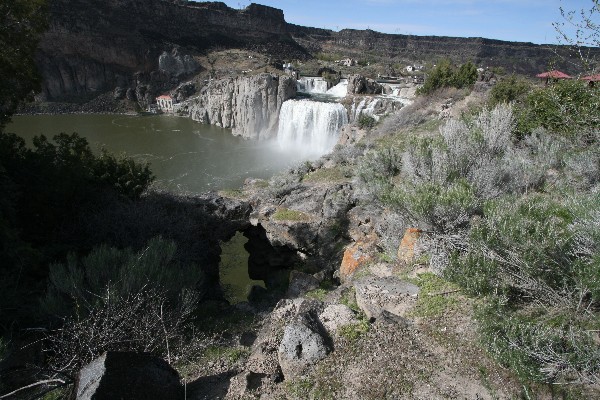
x=101, y=104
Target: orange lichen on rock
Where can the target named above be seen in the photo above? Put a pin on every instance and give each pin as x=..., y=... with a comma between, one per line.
x=356, y=256
x=406, y=250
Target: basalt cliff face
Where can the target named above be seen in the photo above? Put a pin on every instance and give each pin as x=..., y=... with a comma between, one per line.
x=147, y=45
x=518, y=57
x=248, y=105
x=140, y=48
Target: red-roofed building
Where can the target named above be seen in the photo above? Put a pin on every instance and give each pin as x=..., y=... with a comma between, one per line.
x=554, y=75
x=165, y=103
x=591, y=79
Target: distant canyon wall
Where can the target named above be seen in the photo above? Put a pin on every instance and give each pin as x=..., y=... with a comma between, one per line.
x=518, y=57
x=248, y=105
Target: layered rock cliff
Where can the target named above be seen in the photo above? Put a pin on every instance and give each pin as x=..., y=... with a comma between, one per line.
x=248, y=105
x=145, y=47
x=519, y=57
x=94, y=46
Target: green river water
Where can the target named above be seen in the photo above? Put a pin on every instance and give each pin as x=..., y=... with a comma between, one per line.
x=185, y=157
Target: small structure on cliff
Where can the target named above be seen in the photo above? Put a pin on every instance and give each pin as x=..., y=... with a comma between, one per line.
x=553, y=76
x=165, y=103
x=347, y=62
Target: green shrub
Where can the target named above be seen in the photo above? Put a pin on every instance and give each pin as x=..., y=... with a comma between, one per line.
x=366, y=121
x=567, y=107
x=120, y=300
x=444, y=74
x=537, y=258
x=521, y=247
x=540, y=346
x=509, y=89
x=109, y=274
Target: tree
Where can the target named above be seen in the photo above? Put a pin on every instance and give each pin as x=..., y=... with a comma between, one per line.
x=580, y=30
x=21, y=24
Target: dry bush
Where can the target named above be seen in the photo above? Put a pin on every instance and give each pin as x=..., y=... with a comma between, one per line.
x=144, y=321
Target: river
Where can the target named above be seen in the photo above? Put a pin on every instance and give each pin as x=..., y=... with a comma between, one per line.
x=185, y=156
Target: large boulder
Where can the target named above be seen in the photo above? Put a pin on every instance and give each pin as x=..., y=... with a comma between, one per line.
x=304, y=343
x=358, y=84
x=132, y=376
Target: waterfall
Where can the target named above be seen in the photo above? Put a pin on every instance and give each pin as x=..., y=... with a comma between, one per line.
x=312, y=85
x=310, y=127
x=339, y=90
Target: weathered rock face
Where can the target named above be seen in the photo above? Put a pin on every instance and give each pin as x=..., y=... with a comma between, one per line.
x=176, y=64
x=248, y=105
x=518, y=57
x=358, y=84
x=94, y=46
x=376, y=295
x=134, y=376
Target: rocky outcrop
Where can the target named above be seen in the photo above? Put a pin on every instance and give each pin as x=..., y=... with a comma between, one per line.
x=135, y=376
x=375, y=295
x=248, y=105
x=372, y=106
x=176, y=64
x=91, y=47
x=358, y=84
x=514, y=57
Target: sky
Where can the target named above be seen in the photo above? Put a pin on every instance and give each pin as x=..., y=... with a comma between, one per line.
x=513, y=20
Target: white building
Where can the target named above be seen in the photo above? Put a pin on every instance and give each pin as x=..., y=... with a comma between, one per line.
x=165, y=103
x=348, y=62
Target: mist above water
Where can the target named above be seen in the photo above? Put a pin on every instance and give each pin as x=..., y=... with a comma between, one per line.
x=309, y=127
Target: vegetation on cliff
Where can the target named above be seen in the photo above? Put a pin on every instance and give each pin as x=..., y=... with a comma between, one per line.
x=507, y=201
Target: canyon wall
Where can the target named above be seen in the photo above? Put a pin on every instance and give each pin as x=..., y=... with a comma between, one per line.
x=519, y=57
x=142, y=48
x=249, y=105
x=95, y=46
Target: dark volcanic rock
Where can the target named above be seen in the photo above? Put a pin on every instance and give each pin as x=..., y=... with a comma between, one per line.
x=94, y=46
x=133, y=376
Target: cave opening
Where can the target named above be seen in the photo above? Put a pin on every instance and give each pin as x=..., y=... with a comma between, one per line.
x=252, y=269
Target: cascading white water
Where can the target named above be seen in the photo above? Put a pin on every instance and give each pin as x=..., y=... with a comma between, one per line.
x=312, y=85
x=339, y=90
x=310, y=127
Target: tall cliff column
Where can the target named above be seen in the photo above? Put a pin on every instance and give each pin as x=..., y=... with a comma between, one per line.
x=249, y=105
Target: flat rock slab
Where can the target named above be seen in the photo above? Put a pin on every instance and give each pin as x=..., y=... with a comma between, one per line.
x=335, y=316
x=376, y=294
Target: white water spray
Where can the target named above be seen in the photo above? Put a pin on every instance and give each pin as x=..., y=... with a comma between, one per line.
x=308, y=84
x=310, y=127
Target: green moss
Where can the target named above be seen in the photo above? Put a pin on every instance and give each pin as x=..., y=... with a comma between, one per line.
x=436, y=297
x=335, y=174
x=353, y=332
x=233, y=193
x=349, y=299
x=299, y=388
x=285, y=214
x=228, y=354
x=317, y=294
